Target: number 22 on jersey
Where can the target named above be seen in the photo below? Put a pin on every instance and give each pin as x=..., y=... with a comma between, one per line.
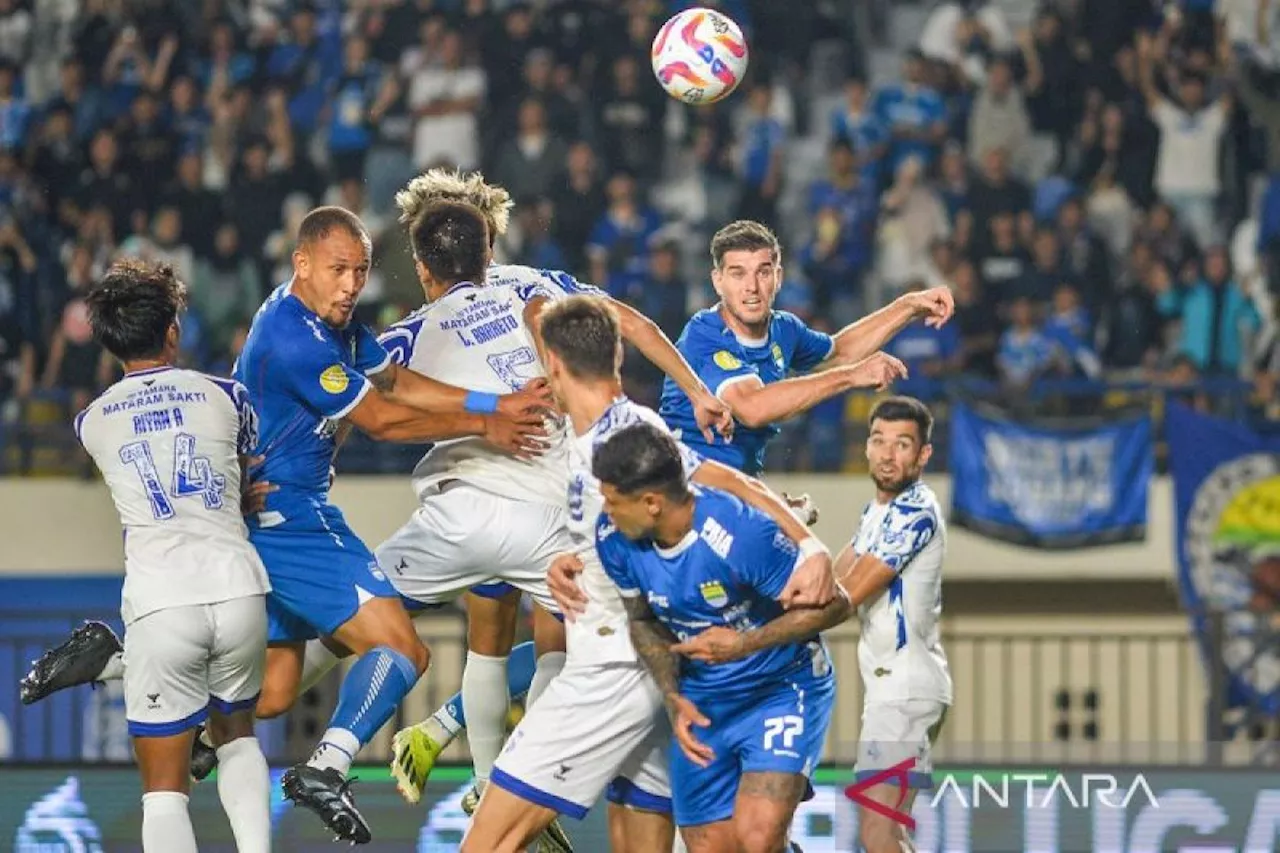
x=192, y=475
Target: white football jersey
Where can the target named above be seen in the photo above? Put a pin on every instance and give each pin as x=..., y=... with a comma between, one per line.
x=600, y=634
x=475, y=337
x=168, y=442
x=900, y=650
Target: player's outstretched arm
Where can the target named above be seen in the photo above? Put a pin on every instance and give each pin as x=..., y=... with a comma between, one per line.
x=861, y=577
x=653, y=642
x=721, y=645
x=383, y=420
x=756, y=404
x=407, y=388
x=646, y=336
x=860, y=340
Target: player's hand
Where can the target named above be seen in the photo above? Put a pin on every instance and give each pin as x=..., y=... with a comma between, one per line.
x=713, y=416
x=935, y=305
x=812, y=584
x=804, y=507
x=684, y=716
x=878, y=370
x=716, y=644
x=253, y=496
x=533, y=399
x=523, y=436
x=564, y=588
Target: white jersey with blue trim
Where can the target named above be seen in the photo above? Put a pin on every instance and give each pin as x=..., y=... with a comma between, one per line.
x=475, y=337
x=900, y=650
x=168, y=443
x=600, y=634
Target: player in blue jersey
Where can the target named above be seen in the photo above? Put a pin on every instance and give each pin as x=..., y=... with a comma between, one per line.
x=687, y=558
x=307, y=370
x=746, y=352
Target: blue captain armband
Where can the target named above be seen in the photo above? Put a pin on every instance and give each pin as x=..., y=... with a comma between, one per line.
x=480, y=403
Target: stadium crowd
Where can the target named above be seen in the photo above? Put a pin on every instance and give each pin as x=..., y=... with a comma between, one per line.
x=1098, y=183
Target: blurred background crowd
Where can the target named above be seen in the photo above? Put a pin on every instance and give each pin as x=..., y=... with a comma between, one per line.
x=1098, y=181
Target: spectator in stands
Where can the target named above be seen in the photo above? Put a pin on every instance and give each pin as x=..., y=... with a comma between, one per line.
x=1025, y=353
x=1217, y=317
x=356, y=100
x=537, y=247
x=914, y=114
x=578, y=203
x=1004, y=266
x=226, y=289
x=620, y=240
x=445, y=97
x=75, y=363
x=1190, y=138
x=844, y=209
x=927, y=352
x=1071, y=329
x=1132, y=328
x=975, y=321
x=857, y=124
x=763, y=141
x=15, y=112
x=531, y=165
x=997, y=191
x=629, y=121
x=912, y=218
x=962, y=35
x=1045, y=274
x=999, y=117
x=1084, y=254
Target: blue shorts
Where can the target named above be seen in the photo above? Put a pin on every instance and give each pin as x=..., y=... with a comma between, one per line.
x=778, y=731
x=320, y=575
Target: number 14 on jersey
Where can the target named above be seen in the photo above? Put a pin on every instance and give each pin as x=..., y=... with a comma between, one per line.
x=192, y=475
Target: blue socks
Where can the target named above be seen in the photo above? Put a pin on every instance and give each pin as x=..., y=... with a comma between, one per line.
x=370, y=694
x=521, y=665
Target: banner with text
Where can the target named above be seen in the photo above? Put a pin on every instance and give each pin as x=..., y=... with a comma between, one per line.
x=1059, y=485
x=1226, y=484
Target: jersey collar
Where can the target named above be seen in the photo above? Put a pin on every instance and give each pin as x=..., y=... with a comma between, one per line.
x=462, y=285
x=749, y=343
x=686, y=542
x=150, y=370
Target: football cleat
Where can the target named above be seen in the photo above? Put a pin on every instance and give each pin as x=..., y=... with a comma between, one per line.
x=413, y=755
x=79, y=660
x=327, y=793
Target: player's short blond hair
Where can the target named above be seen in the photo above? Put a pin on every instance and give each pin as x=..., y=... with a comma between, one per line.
x=471, y=188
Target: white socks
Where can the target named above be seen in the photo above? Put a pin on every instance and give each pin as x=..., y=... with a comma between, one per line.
x=487, y=700
x=317, y=661
x=337, y=749
x=114, y=669
x=244, y=785
x=166, y=825
x=549, y=666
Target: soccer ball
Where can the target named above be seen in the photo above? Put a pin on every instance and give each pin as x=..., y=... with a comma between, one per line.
x=699, y=56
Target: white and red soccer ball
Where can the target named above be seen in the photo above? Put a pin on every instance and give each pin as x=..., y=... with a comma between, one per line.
x=699, y=56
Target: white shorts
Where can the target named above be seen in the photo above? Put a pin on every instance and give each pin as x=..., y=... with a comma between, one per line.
x=894, y=732
x=594, y=727
x=464, y=537
x=183, y=661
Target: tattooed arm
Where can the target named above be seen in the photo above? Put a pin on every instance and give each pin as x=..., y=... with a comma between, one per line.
x=721, y=645
x=653, y=642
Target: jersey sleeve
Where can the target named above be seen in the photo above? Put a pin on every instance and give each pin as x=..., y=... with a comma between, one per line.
x=399, y=341
x=762, y=556
x=370, y=356
x=314, y=374
x=247, y=418
x=907, y=528
x=561, y=285
x=613, y=556
x=811, y=348
x=713, y=359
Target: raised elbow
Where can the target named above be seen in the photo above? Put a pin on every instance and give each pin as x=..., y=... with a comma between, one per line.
x=750, y=415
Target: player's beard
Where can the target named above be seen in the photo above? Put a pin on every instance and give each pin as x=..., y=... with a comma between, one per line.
x=895, y=485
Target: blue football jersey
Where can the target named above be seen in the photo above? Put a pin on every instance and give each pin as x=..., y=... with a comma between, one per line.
x=728, y=571
x=303, y=377
x=720, y=358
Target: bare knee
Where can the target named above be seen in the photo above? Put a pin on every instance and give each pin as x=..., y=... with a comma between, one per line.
x=756, y=836
x=274, y=701
x=416, y=652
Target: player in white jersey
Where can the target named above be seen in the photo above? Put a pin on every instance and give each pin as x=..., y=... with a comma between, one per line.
x=892, y=572
x=599, y=723
x=172, y=445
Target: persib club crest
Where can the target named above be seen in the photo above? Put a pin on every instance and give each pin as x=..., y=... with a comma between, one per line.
x=1233, y=550
x=713, y=593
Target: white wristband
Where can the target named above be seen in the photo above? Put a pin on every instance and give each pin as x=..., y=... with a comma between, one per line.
x=811, y=547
